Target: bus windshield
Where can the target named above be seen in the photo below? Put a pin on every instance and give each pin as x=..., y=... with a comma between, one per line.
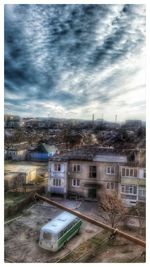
x=47, y=236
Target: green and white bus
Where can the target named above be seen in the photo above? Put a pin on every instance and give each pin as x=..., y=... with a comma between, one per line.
x=58, y=231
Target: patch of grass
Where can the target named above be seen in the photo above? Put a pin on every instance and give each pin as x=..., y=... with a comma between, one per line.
x=14, y=197
x=87, y=249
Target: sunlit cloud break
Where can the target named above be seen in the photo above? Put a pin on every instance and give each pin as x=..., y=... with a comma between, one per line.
x=72, y=61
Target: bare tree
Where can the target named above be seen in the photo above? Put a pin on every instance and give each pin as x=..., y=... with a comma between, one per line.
x=111, y=209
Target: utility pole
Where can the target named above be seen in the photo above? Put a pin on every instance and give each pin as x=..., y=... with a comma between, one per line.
x=93, y=120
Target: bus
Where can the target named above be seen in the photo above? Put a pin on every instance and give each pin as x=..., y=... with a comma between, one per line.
x=58, y=231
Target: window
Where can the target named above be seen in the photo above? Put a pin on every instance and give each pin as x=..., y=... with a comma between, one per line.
x=144, y=175
x=76, y=168
x=108, y=185
x=135, y=172
x=142, y=192
x=75, y=182
x=57, y=182
x=57, y=167
x=112, y=185
x=123, y=171
x=47, y=236
x=129, y=172
x=68, y=227
x=92, y=172
x=123, y=188
x=110, y=170
x=129, y=189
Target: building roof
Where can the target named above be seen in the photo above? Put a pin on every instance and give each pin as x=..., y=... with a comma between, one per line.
x=18, y=168
x=110, y=158
x=92, y=154
x=17, y=147
x=101, y=154
x=44, y=148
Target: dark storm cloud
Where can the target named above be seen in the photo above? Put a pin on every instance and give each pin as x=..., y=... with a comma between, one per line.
x=61, y=53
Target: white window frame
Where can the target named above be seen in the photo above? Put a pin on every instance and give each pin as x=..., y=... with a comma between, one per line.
x=128, y=189
x=109, y=170
x=111, y=186
x=56, y=182
x=57, y=167
x=129, y=170
x=76, y=168
x=143, y=191
x=75, y=183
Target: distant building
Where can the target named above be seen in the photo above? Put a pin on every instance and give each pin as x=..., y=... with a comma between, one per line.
x=12, y=121
x=17, y=175
x=42, y=153
x=16, y=152
x=89, y=172
x=133, y=124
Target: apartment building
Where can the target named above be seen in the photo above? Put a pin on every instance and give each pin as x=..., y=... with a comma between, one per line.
x=88, y=172
x=132, y=184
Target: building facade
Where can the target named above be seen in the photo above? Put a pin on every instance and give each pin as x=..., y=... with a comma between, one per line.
x=88, y=175
x=58, y=177
x=132, y=184
x=16, y=152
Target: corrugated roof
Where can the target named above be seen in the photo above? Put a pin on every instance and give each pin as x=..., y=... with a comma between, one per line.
x=90, y=153
x=44, y=148
x=110, y=158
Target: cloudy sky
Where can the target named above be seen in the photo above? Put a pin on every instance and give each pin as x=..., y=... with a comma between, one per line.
x=72, y=61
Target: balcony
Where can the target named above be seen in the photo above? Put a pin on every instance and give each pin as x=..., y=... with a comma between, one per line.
x=141, y=198
x=133, y=181
x=57, y=174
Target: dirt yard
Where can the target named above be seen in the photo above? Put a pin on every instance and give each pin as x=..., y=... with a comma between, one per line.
x=22, y=234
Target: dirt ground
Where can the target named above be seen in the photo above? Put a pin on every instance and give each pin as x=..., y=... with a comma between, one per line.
x=120, y=252
x=21, y=237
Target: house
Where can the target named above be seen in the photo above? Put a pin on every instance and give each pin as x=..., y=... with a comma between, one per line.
x=42, y=152
x=19, y=174
x=16, y=152
x=88, y=172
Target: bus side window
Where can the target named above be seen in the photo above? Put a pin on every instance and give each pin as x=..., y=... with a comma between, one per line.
x=60, y=234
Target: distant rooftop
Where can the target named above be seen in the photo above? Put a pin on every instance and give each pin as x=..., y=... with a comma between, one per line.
x=92, y=153
x=19, y=168
x=44, y=148
x=96, y=153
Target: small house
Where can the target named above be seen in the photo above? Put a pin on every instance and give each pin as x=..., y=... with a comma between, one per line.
x=42, y=153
